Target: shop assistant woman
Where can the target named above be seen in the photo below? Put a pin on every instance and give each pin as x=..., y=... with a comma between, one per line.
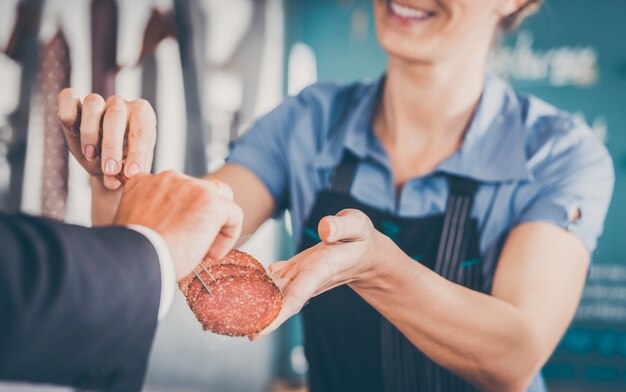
x=445, y=222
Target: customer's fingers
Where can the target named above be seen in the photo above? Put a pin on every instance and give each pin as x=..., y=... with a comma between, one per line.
x=111, y=182
x=91, y=119
x=69, y=112
x=141, y=137
x=113, y=131
x=225, y=227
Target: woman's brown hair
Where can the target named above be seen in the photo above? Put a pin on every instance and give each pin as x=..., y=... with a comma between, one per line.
x=512, y=21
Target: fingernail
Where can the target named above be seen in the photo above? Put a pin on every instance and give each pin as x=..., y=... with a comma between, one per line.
x=331, y=229
x=90, y=152
x=110, y=167
x=132, y=170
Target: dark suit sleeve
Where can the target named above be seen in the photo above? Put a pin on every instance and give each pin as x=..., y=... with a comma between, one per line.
x=78, y=306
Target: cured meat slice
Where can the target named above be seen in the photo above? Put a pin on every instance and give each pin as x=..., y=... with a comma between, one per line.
x=241, y=298
x=238, y=305
x=221, y=270
x=216, y=272
x=184, y=283
x=235, y=256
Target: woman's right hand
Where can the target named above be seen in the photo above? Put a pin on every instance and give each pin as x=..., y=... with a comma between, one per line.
x=108, y=137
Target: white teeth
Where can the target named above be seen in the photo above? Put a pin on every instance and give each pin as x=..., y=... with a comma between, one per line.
x=407, y=12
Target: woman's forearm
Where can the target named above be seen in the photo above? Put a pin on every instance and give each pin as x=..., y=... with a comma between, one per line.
x=104, y=202
x=481, y=338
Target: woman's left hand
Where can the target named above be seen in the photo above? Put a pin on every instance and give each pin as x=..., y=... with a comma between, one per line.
x=349, y=249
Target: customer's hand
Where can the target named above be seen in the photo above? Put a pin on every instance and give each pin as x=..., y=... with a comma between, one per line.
x=349, y=250
x=194, y=217
x=104, y=135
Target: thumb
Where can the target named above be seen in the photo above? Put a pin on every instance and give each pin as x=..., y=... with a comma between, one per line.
x=347, y=225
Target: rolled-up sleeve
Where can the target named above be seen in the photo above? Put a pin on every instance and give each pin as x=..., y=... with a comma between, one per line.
x=263, y=150
x=572, y=187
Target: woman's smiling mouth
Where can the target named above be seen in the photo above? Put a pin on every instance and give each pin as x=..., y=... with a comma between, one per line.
x=409, y=12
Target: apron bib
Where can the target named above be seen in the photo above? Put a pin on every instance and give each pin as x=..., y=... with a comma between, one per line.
x=348, y=344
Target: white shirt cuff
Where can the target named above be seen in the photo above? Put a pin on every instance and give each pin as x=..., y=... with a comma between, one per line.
x=168, y=274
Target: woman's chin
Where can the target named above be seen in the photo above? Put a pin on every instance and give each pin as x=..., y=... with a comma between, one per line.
x=409, y=49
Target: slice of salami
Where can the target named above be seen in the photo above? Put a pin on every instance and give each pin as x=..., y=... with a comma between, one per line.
x=217, y=272
x=238, y=305
x=235, y=256
x=238, y=257
x=184, y=283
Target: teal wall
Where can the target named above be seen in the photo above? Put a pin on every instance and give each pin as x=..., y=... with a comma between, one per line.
x=327, y=26
x=341, y=33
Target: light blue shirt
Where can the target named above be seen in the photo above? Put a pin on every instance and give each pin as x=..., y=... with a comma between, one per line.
x=533, y=163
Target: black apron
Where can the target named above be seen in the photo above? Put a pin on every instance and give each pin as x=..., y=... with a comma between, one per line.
x=348, y=344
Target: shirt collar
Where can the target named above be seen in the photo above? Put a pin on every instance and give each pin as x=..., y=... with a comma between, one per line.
x=353, y=124
x=493, y=148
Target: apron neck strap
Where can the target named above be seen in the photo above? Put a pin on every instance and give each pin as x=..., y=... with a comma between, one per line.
x=451, y=260
x=462, y=186
x=344, y=174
